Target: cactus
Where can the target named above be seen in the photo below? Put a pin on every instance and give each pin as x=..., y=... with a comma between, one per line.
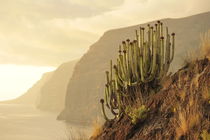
x=141, y=65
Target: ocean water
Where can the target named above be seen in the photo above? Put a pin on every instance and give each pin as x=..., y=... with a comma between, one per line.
x=21, y=122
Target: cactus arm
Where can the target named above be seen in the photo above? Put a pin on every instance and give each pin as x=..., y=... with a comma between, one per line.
x=142, y=69
x=106, y=96
x=173, y=46
x=110, y=69
x=103, y=111
x=107, y=77
x=168, y=51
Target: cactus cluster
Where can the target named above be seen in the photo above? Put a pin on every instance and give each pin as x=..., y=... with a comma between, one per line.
x=139, y=68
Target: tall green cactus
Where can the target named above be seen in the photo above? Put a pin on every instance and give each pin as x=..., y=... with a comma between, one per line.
x=141, y=65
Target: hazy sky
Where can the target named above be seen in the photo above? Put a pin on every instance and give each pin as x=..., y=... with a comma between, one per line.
x=49, y=32
x=16, y=80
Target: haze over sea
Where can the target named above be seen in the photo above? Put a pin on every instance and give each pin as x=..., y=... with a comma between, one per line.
x=23, y=122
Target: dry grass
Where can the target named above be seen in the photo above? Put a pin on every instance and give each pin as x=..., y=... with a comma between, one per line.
x=195, y=81
x=205, y=135
x=206, y=93
x=188, y=112
x=191, y=56
x=188, y=118
x=182, y=124
x=182, y=94
x=205, y=45
x=201, y=52
x=97, y=128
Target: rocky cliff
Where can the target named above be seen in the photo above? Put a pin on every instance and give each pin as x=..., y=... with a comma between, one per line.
x=53, y=92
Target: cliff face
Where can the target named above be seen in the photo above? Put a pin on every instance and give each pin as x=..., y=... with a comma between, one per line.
x=53, y=92
x=87, y=83
x=49, y=92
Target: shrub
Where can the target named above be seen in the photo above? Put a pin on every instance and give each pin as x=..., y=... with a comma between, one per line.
x=137, y=114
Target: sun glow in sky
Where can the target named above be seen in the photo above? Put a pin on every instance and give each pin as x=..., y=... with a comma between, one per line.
x=17, y=79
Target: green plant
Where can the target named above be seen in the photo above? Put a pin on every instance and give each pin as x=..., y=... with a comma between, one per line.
x=140, y=67
x=136, y=114
x=205, y=135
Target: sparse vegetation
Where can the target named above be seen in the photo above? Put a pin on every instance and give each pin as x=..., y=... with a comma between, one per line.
x=188, y=118
x=206, y=93
x=205, y=45
x=140, y=69
x=180, y=109
x=199, y=53
x=136, y=114
x=205, y=135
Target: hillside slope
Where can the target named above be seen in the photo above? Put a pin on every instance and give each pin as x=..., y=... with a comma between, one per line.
x=179, y=111
x=87, y=83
